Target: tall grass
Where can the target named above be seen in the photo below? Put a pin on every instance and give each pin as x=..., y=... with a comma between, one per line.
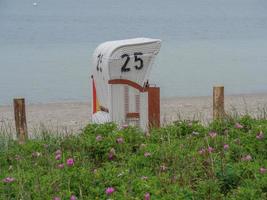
x=224, y=159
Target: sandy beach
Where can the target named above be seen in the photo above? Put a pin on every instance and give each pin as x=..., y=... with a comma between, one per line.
x=68, y=117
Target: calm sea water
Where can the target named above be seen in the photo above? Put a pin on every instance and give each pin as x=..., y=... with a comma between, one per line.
x=46, y=45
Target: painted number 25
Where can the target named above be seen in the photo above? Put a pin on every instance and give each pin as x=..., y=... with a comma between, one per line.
x=137, y=59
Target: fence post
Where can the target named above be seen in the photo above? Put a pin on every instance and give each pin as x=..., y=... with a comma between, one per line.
x=20, y=119
x=218, y=102
x=154, y=107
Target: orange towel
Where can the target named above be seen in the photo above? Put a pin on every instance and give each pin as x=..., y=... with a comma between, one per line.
x=96, y=106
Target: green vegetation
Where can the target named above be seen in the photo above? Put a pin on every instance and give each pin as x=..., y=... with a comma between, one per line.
x=184, y=160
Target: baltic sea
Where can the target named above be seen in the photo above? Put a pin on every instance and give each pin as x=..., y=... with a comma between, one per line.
x=46, y=45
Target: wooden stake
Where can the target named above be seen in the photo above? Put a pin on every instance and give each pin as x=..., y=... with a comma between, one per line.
x=154, y=107
x=20, y=119
x=218, y=102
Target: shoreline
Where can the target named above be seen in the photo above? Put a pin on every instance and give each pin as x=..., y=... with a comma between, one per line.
x=71, y=101
x=72, y=116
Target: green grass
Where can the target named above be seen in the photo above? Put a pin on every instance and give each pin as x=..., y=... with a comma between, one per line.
x=172, y=162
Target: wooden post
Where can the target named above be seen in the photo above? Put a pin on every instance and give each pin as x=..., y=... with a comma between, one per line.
x=218, y=102
x=20, y=119
x=154, y=107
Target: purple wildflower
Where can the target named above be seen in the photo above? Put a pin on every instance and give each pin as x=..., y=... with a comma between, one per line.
x=58, y=152
x=72, y=197
x=60, y=166
x=8, y=180
x=263, y=170
x=110, y=190
x=58, y=157
x=210, y=149
x=56, y=198
x=120, y=140
x=238, y=126
x=147, y=196
x=201, y=151
x=225, y=146
x=70, y=162
x=98, y=138
x=212, y=134
x=111, y=154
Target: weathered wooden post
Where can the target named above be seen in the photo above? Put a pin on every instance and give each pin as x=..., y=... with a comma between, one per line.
x=218, y=102
x=154, y=107
x=20, y=119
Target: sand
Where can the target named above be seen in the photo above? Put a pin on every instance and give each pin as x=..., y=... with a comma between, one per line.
x=71, y=117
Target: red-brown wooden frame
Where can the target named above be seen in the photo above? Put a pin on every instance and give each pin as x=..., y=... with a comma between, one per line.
x=133, y=115
x=127, y=82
